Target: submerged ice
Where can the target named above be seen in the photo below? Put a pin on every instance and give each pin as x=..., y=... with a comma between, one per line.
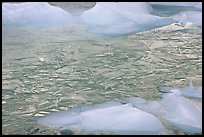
x=112, y=18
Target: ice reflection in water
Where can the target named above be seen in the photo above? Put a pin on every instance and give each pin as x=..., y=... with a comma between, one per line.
x=45, y=70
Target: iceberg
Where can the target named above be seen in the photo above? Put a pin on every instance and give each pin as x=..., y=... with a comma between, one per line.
x=184, y=12
x=110, y=19
x=180, y=107
x=132, y=115
x=117, y=119
x=34, y=14
x=152, y=107
x=115, y=19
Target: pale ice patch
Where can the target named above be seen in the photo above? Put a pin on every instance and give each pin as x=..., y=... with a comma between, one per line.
x=132, y=115
x=190, y=91
x=193, y=17
x=181, y=112
x=135, y=115
x=182, y=12
x=112, y=19
x=193, y=4
x=147, y=106
x=34, y=14
x=118, y=118
x=178, y=111
x=122, y=119
x=122, y=18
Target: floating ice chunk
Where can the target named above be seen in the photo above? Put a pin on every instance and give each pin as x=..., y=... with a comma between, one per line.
x=179, y=111
x=147, y=106
x=155, y=108
x=119, y=119
x=194, y=17
x=176, y=91
x=134, y=115
x=182, y=113
x=117, y=19
x=190, y=91
x=122, y=120
x=33, y=14
x=137, y=102
x=72, y=117
x=59, y=119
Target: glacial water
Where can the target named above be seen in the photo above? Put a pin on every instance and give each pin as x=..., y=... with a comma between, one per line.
x=54, y=69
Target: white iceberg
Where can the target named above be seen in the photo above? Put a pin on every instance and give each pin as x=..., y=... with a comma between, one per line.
x=182, y=12
x=34, y=14
x=117, y=19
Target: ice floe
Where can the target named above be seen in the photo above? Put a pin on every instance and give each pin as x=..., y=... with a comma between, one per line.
x=111, y=19
x=135, y=115
x=34, y=14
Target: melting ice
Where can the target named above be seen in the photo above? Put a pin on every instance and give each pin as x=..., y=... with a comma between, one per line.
x=189, y=91
x=119, y=119
x=134, y=115
x=112, y=19
x=34, y=14
x=117, y=18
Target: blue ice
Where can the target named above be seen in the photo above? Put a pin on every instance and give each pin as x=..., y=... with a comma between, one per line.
x=34, y=14
x=182, y=112
x=106, y=117
x=178, y=111
x=193, y=17
x=112, y=19
x=189, y=91
x=135, y=115
x=117, y=19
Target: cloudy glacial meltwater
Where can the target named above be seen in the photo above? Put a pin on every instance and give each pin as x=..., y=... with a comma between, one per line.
x=102, y=68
